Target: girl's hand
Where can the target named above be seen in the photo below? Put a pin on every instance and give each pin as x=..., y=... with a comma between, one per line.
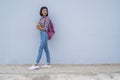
x=38, y=26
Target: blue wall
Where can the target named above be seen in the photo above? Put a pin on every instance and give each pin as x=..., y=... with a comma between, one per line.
x=87, y=31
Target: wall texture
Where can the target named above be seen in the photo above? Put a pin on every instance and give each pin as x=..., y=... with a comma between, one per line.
x=87, y=31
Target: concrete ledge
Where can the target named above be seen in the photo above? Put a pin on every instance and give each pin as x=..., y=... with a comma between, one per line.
x=61, y=72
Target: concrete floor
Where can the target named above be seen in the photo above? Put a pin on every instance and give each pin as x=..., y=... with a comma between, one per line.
x=61, y=72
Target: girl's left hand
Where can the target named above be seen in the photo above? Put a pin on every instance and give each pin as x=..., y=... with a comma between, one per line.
x=38, y=26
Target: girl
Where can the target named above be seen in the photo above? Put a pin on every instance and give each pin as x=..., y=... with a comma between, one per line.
x=43, y=27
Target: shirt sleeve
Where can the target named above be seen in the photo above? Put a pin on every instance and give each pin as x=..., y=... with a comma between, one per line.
x=47, y=21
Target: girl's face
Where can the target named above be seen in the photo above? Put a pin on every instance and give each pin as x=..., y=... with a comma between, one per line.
x=44, y=12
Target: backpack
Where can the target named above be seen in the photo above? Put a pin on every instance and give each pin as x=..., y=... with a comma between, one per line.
x=50, y=30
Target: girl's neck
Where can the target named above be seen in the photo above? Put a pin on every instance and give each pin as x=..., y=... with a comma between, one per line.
x=44, y=16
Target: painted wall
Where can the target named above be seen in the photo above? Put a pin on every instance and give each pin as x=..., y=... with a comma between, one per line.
x=87, y=31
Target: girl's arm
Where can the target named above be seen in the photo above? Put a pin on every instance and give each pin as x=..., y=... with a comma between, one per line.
x=39, y=27
x=46, y=25
x=42, y=28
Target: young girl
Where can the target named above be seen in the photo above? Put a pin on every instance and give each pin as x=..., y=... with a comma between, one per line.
x=43, y=27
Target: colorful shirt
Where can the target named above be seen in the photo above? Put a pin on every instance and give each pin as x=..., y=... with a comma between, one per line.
x=44, y=22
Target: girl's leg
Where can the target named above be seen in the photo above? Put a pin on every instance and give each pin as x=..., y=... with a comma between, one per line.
x=47, y=53
x=42, y=45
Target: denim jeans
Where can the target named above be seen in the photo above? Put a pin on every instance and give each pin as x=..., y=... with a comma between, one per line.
x=43, y=46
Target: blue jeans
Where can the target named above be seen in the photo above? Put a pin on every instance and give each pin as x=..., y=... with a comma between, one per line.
x=43, y=45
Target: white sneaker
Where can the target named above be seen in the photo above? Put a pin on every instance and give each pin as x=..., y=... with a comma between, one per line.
x=46, y=66
x=34, y=67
